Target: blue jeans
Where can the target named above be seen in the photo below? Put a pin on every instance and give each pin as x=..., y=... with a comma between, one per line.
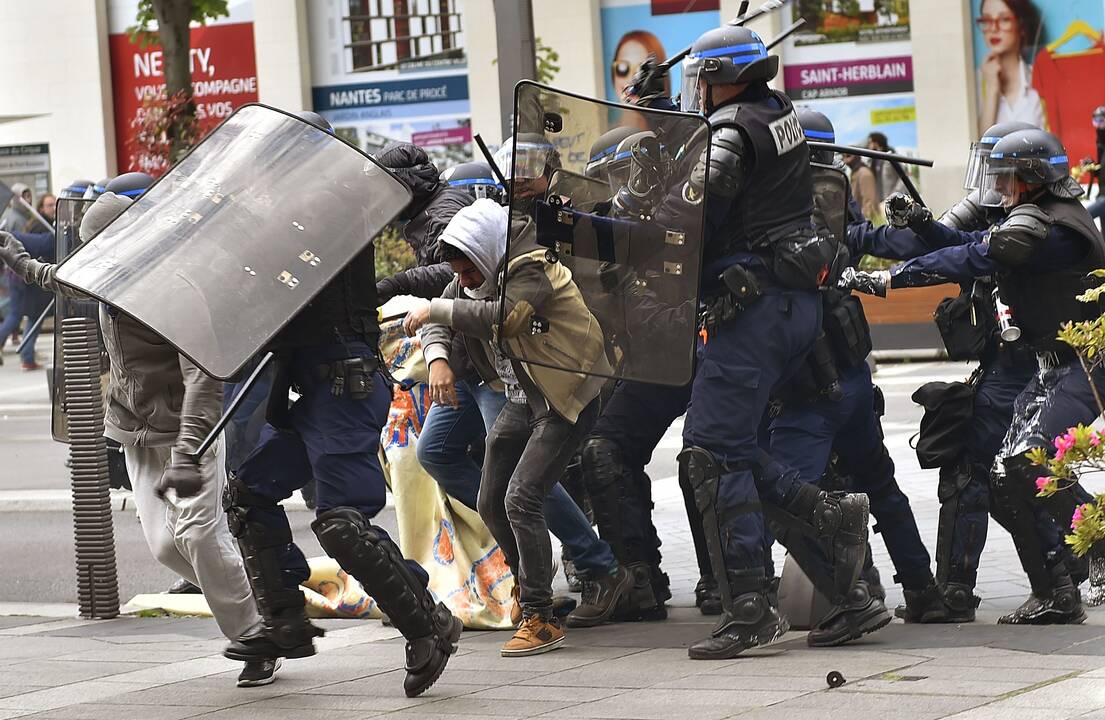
x=26, y=301
x=442, y=450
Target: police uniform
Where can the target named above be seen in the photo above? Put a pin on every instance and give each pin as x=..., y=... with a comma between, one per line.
x=762, y=315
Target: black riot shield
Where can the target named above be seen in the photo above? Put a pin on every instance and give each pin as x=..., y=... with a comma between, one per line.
x=67, y=224
x=625, y=273
x=226, y=248
x=830, y=191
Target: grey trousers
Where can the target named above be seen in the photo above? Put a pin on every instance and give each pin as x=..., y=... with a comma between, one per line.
x=526, y=455
x=190, y=536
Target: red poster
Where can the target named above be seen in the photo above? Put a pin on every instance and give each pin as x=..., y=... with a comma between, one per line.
x=670, y=7
x=224, y=76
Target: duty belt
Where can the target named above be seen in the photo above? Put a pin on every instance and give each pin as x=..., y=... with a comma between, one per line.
x=352, y=375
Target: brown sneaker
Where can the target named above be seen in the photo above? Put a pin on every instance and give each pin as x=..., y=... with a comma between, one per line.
x=516, y=608
x=600, y=598
x=537, y=635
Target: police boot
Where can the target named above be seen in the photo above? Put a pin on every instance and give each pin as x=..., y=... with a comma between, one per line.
x=924, y=606
x=284, y=630
x=861, y=613
x=706, y=596
x=1095, y=594
x=838, y=521
x=1058, y=605
x=369, y=555
x=748, y=620
x=960, y=601
x=640, y=603
x=871, y=576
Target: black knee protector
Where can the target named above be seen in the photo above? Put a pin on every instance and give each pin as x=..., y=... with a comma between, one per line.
x=374, y=560
x=700, y=472
x=604, y=476
x=262, y=546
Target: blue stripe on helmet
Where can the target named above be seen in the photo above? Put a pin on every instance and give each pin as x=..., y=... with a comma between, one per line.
x=603, y=153
x=990, y=140
x=131, y=193
x=1058, y=160
x=622, y=155
x=757, y=48
x=820, y=135
x=474, y=181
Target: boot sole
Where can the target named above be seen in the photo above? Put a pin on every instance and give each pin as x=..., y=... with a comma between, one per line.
x=761, y=640
x=301, y=651
x=453, y=638
x=1078, y=620
x=552, y=645
x=868, y=625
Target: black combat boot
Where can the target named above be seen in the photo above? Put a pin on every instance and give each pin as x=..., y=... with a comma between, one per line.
x=924, y=606
x=1061, y=605
x=706, y=596
x=861, y=613
x=641, y=603
x=749, y=621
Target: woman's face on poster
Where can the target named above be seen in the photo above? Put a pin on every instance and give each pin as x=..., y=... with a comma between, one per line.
x=1000, y=27
x=630, y=56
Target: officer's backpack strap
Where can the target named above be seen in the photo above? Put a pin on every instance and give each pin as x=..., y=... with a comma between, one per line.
x=1015, y=239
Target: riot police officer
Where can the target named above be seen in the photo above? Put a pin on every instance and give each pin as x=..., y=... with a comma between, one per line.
x=329, y=353
x=763, y=264
x=1040, y=253
x=476, y=179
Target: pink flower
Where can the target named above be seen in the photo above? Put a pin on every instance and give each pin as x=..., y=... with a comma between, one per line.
x=1076, y=518
x=1095, y=439
x=1043, y=482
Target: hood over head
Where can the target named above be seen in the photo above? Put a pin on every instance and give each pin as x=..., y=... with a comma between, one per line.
x=479, y=231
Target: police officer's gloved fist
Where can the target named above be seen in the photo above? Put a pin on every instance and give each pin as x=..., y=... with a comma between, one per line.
x=870, y=283
x=647, y=83
x=182, y=475
x=903, y=212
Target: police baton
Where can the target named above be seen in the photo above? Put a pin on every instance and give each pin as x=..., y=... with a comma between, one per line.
x=36, y=325
x=896, y=161
x=228, y=415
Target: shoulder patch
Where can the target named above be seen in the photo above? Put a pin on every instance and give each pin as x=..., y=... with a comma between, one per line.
x=787, y=133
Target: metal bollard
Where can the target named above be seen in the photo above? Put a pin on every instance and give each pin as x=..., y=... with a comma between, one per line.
x=97, y=583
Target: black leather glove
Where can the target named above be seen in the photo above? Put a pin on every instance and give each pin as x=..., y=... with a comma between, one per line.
x=182, y=475
x=11, y=250
x=871, y=283
x=902, y=211
x=648, y=82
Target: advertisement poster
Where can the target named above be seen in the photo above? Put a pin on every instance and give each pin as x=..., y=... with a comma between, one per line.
x=859, y=21
x=853, y=62
x=1041, y=62
x=632, y=30
x=224, y=71
x=393, y=71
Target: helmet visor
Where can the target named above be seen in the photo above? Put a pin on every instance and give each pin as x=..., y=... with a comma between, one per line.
x=525, y=161
x=690, y=99
x=975, y=163
x=998, y=187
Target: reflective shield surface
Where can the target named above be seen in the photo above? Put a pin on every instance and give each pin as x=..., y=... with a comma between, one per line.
x=224, y=250
x=624, y=263
x=830, y=191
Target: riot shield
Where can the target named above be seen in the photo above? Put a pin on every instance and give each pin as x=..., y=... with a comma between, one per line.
x=583, y=192
x=67, y=224
x=626, y=272
x=830, y=191
x=236, y=238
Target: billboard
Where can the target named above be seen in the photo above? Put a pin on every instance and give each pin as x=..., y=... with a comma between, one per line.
x=1043, y=63
x=393, y=70
x=632, y=30
x=859, y=21
x=223, y=63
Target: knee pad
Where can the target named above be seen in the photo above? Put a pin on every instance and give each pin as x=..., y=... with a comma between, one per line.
x=238, y=501
x=369, y=555
x=603, y=465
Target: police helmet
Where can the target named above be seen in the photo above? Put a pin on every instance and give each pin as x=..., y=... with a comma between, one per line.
x=475, y=178
x=1035, y=157
x=96, y=189
x=604, y=150
x=818, y=128
x=725, y=56
x=130, y=185
x=535, y=156
x=620, y=165
x=75, y=189
x=981, y=149
x=315, y=119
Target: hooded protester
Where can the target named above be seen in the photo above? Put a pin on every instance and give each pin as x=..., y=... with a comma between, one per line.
x=547, y=412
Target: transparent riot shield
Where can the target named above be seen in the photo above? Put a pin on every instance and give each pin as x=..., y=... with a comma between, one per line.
x=580, y=192
x=626, y=272
x=70, y=211
x=231, y=243
x=830, y=191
